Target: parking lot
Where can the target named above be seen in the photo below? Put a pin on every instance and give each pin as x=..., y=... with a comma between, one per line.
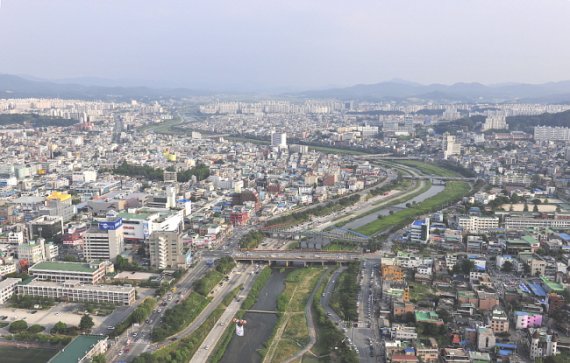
x=64, y=312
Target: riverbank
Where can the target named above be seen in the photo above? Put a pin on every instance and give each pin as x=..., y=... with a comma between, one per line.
x=292, y=332
x=454, y=190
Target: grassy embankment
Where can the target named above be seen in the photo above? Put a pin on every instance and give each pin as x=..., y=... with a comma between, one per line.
x=454, y=190
x=345, y=293
x=291, y=332
x=330, y=346
x=390, y=201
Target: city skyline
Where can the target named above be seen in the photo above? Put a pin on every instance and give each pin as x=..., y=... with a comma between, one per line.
x=295, y=46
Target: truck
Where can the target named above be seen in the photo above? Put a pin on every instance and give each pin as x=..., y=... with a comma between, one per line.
x=210, y=263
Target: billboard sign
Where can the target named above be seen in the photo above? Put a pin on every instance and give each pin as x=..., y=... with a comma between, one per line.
x=110, y=225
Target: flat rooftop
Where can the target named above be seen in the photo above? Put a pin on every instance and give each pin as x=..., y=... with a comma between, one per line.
x=8, y=281
x=63, y=266
x=80, y=286
x=77, y=348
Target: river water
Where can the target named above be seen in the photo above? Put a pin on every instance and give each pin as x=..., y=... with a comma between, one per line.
x=433, y=190
x=259, y=326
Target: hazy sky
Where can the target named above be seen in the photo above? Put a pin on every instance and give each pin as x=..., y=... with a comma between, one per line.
x=287, y=43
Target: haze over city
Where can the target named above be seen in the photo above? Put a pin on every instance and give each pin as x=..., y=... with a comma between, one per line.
x=316, y=181
x=291, y=45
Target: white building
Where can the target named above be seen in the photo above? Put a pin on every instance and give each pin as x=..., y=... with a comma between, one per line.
x=545, y=133
x=7, y=288
x=105, y=241
x=89, y=273
x=419, y=231
x=496, y=122
x=37, y=251
x=477, y=224
x=279, y=139
x=75, y=291
x=541, y=344
x=450, y=146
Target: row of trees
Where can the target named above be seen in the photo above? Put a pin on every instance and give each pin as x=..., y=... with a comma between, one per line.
x=251, y=240
x=200, y=171
x=318, y=211
x=142, y=312
x=345, y=294
x=35, y=120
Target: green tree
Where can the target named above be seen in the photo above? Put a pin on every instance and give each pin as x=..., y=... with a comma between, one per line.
x=18, y=326
x=100, y=358
x=34, y=329
x=86, y=323
x=464, y=267
x=525, y=208
x=507, y=267
x=59, y=328
x=535, y=208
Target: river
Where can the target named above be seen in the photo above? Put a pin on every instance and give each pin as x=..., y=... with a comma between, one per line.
x=433, y=190
x=259, y=326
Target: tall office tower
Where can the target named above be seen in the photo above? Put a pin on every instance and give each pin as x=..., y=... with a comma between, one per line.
x=496, y=122
x=105, y=241
x=279, y=139
x=450, y=147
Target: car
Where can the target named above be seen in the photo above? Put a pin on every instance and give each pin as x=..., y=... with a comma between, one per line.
x=57, y=313
x=110, y=327
x=135, y=334
x=207, y=347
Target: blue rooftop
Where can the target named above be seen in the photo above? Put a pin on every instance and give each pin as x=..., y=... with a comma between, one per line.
x=506, y=345
x=537, y=289
x=418, y=223
x=565, y=236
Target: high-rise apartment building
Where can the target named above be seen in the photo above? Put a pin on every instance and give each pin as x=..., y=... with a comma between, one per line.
x=166, y=250
x=279, y=139
x=496, y=122
x=450, y=146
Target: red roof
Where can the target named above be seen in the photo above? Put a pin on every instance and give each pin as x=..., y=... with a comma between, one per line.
x=404, y=358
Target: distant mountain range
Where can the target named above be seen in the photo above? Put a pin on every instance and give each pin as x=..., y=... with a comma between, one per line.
x=397, y=90
x=18, y=87
x=552, y=92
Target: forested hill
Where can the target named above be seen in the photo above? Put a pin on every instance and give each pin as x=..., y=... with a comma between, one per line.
x=32, y=120
x=527, y=123
x=516, y=123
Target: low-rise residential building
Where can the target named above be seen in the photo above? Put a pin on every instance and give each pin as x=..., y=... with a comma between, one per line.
x=454, y=355
x=485, y=338
x=525, y=320
x=37, y=251
x=499, y=321
x=541, y=344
